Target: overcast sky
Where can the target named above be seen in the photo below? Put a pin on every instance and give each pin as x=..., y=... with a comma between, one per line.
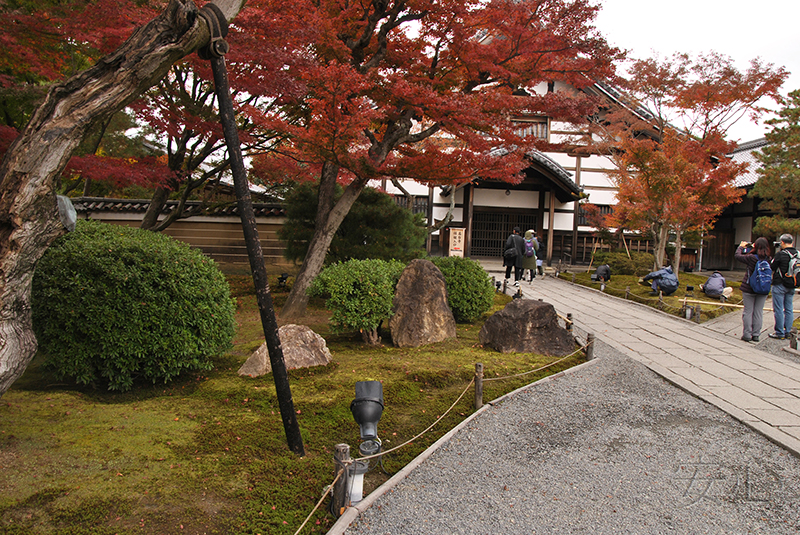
x=743, y=30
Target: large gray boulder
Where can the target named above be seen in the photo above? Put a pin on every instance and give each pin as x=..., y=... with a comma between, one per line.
x=527, y=326
x=302, y=348
x=420, y=311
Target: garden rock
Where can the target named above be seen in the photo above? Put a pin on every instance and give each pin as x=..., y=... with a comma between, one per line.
x=527, y=326
x=420, y=311
x=302, y=348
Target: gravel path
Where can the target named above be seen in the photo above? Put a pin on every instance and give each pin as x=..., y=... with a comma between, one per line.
x=609, y=447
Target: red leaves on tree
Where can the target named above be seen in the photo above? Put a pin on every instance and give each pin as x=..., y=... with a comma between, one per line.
x=148, y=171
x=670, y=179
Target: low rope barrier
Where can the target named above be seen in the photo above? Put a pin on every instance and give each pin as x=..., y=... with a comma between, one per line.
x=324, y=495
x=537, y=369
x=348, y=462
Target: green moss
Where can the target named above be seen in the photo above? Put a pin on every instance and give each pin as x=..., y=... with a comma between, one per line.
x=208, y=452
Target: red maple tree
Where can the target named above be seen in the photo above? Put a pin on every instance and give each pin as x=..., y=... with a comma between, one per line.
x=667, y=141
x=426, y=90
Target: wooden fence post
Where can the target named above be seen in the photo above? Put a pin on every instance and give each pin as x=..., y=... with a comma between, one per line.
x=697, y=313
x=339, y=496
x=589, y=346
x=478, y=385
x=573, y=278
x=627, y=292
x=569, y=322
x=793, y=340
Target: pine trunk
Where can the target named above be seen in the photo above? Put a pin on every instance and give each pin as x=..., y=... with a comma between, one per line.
x=329, y=218
x=157, y=203
x=29, y=220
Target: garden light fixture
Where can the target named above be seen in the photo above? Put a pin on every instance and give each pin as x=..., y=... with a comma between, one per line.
x=367, y=408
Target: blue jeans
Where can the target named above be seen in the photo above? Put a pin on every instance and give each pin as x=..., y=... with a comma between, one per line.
x=783, y=308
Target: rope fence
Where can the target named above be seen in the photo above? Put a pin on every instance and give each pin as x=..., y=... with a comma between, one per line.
x=338, y=488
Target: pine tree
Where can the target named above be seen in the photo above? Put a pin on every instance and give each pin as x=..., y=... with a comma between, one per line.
x=779, y=184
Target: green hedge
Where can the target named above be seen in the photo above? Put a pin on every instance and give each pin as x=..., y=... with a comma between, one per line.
x=113, y=304
x=469, y=288
x=639, y=264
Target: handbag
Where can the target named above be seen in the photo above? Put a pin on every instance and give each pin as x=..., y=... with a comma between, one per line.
x=510, y=253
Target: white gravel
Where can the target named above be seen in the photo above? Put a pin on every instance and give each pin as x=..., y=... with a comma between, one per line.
x=610, y=448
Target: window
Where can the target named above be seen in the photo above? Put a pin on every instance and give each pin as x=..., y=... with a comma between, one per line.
x=535, y=127
x=605, y=209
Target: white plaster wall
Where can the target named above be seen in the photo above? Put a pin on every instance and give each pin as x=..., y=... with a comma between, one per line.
x=440, y=212
x=438, y=198
x=562, y=221
x=565, y=160
x=565, y=127
x=601, y=196
x=595, y=178
x=498, y=197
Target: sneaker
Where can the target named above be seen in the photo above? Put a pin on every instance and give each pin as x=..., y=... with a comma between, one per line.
x=744, y=338
x=776, y=336
x=516, y=283
x=754, y=339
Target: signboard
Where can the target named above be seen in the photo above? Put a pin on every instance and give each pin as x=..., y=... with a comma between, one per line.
x=456, y=246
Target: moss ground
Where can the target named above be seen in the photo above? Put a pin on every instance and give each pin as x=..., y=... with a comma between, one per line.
x=207, y=453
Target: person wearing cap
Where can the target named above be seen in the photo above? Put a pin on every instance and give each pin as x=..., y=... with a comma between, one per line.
x=782, y=293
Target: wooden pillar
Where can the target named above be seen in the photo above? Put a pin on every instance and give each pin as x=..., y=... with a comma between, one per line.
x=429, y=241
x=575, y=210
x=478, y=385
x=551, y=224
x=469, y=198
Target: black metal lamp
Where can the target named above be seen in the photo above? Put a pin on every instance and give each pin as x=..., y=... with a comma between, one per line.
x=367, y=408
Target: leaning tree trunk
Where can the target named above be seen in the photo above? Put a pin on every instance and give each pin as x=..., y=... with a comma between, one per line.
x=329, y=218
x=29, y=220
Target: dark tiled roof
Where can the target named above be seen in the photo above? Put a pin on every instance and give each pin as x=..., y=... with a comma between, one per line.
x=564, y=176
x=193, y=208
x=746, y=152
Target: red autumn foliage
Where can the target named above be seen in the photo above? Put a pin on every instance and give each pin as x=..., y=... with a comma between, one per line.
x=146, y=171
x=673, y=179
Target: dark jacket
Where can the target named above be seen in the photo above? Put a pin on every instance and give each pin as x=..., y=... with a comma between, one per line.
x=715, y=285
x=780, y=264
x=749, y=259
x=666, y=280
x=603, y=272
x=517, y=243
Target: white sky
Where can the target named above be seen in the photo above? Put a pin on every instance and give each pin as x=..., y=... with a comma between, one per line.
x=743, y=30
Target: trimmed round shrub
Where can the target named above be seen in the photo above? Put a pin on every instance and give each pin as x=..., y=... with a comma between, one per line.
x=359, y=294
x=469, y=288
x=114, y=304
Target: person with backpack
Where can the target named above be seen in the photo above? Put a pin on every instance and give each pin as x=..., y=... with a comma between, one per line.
x=785, y=278
x=513, y=253
x=531, y=252
x=755, y=285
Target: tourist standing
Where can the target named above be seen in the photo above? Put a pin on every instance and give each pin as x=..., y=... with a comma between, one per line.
x=752, y=316
x=513, y=253
x=529, y=262
x=782, y=289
